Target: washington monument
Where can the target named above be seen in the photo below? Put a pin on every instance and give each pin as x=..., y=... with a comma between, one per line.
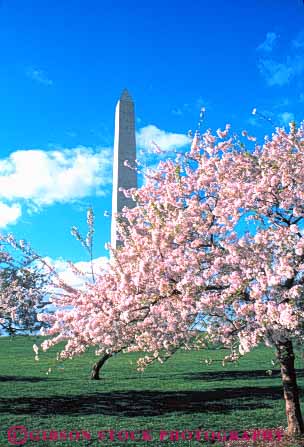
x=124, y=149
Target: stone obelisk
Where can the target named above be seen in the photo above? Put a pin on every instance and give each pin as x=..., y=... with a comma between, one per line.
x=124, y=149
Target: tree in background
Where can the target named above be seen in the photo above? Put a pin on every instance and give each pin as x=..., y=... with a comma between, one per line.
x=215, y=244
x=22, y=292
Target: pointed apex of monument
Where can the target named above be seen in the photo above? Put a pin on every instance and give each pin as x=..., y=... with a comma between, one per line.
x=125, y=96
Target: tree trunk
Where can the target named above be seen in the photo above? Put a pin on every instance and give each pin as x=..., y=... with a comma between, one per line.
x=98, y=365
x=285, y=355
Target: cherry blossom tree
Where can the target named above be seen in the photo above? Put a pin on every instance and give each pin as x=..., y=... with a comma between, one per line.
x=22, y=292
x=213, y=251
x=267, y=186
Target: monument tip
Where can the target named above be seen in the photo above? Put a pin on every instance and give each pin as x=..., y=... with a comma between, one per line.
x=125, y=95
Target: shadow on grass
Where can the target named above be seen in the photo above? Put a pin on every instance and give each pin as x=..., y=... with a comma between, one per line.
x=213, y=376
x=145, y=403
x=236, y=375
x=24, y=379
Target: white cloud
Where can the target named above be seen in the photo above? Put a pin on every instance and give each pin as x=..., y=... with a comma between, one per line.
x=177, y=111
x=71, y=133
x=39, y=76
x=196, y=105
x=275, y=73
x=281, y=102
x=253, y=121
x=9, y=214
x=282, y=71
x=286, y=118
x=38, y=178
x=167, y=141
x=66, y=274
x=46, y=177
x=268, y=43
x=298, y=42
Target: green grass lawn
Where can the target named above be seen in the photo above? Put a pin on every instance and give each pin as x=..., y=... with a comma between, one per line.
x=182, y=394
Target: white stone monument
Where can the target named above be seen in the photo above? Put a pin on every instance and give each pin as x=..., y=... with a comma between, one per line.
x=124, y=149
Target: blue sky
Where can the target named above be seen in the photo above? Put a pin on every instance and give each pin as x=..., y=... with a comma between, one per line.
x=64, y=65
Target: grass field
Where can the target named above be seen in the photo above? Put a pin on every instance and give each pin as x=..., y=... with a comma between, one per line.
x=182, y=394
